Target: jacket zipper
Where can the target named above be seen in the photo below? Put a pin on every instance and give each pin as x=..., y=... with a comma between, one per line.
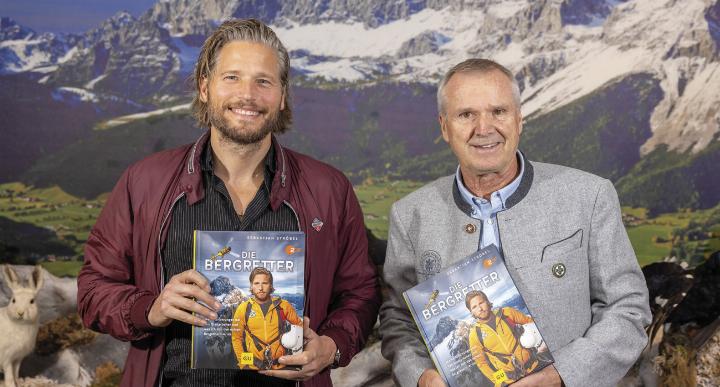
x=306, y=247
x=305, y=308
x=159, y=242
x=162, y=269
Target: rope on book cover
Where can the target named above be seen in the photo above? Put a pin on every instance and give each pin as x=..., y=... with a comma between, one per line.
x=506, y=357
x=268, y=361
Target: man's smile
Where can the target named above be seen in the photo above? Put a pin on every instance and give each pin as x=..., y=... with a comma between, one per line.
x=485, y=147
x=244, y=112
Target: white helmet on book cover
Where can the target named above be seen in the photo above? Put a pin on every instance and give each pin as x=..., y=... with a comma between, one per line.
x=293, y=339
x=531, y=336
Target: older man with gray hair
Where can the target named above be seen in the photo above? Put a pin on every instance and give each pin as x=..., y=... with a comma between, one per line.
x=559, y=230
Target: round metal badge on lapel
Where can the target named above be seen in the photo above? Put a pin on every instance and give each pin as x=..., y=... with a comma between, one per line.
x=558, y=270
x=470, y=228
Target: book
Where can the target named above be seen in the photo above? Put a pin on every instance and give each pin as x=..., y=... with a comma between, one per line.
x=476, y=325
x=260, y=319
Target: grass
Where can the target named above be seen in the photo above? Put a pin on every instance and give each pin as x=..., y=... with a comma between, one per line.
x=640, y=213
x=376, y=197
x=63, y=268
x=646, y=249
x=69, y=217
x=644, y=236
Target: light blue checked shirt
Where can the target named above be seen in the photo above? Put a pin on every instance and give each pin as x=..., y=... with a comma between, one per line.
x=486, y=210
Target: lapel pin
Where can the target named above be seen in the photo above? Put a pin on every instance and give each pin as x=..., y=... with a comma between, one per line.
x=317, y=224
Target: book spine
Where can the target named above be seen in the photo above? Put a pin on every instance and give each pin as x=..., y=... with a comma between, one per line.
x=192, y=333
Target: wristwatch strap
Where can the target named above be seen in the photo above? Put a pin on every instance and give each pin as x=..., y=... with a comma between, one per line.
x=336, y=361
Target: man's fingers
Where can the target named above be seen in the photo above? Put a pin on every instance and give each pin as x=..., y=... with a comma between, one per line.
x=305, y=373
x=286, y=374
x=300, y=359
x=192, y=291
x=180, y=308
x=192, y=277
x=181, y=315
x=182, y=297
x=308, y=334
x=189, y=305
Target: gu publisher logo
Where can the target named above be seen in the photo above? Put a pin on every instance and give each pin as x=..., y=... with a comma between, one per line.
x=290, y=249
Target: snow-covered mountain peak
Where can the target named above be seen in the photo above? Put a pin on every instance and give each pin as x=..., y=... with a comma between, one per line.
x=560, y=50
x=11, y=30
x=24, y=50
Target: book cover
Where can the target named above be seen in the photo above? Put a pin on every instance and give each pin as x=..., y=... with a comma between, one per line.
x=475, y=323
x=258, y=278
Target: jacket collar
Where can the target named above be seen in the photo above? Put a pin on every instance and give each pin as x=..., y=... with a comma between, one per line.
x=514, y=199
x=191, y=181
x=280, y=189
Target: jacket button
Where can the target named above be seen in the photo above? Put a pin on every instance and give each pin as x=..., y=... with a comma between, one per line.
x=470, y=228
x=558, y=270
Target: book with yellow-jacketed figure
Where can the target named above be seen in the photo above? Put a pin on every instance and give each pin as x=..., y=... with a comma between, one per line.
x=476, y=325
x=258, y=321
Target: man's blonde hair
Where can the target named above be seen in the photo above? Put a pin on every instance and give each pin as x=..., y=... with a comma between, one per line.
x=261, y=270
x=246, y=30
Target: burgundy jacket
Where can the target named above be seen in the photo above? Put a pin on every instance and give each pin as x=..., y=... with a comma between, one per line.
x=121, y=276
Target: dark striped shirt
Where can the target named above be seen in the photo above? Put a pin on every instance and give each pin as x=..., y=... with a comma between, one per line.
x=214, y=212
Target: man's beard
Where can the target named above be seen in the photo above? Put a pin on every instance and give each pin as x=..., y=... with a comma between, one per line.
x=267, y=296
x=234, y=134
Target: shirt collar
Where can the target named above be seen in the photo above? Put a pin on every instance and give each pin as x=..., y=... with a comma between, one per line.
x=503, y=193
x=206, y=163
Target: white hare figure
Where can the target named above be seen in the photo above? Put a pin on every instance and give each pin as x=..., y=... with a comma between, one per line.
x=18, y=322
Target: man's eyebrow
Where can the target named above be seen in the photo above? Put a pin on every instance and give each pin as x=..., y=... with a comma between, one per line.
x=260, y=74
x=263, y=74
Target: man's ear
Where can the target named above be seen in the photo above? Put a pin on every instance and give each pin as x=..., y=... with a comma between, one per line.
x=520, y=123
x=443, y=129
x=282, y=99
x=203, y=89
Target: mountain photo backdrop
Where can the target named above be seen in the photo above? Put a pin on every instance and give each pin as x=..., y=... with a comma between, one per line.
x=628, y=90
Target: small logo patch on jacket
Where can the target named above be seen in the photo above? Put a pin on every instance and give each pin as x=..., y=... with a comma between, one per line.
x=317, y=224
x=430, y=263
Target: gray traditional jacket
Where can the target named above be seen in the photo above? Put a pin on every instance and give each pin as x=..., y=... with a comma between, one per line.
x=592, y=316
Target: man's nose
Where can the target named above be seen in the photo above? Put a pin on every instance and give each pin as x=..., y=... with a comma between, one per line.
x=484, y=124
x=244, y=89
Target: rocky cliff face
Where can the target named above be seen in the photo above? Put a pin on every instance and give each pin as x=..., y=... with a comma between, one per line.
x=560, y=51
x=24, y=50
x=127, y=57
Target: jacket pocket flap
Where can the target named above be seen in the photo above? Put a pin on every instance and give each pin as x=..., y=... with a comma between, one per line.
x=563, y=246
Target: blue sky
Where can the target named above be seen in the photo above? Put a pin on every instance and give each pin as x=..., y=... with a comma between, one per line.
x=68, y=15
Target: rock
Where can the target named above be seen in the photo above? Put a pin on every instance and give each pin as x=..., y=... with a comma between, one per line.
x=425, y=43
x=708, y=366
x=39, y=382
x=63, y=367
x=368, y=368
x=71, y=366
